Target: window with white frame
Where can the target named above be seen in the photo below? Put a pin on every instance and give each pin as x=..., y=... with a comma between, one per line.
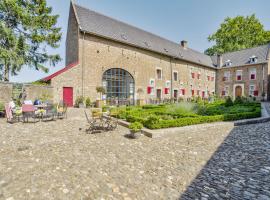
x=226, y=91
x=175, y=76
x=252, y=74
x=159, y=74
x=253, y=59
x=168, y=84
x=227, y=75
x=239, y=74
x=228, y=63
x=152, y=82
x=251, y=90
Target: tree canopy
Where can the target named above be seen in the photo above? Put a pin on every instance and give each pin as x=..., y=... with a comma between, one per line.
x=27, y=28
x=238, y=33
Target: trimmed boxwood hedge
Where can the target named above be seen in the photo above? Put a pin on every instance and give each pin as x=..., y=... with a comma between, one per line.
x=157, y=116
x=183, y=122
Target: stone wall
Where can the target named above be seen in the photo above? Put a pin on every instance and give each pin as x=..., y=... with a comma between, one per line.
x=32, y=92
x=261, y=82
x=37, y=91
x=5, y=92
x=98, y=55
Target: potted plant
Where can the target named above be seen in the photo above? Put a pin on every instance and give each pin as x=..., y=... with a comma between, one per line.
x=87, y=102
x=79, y=102
x=2, y=113
x=135, y=129
x=99, y=102
x=140, y=101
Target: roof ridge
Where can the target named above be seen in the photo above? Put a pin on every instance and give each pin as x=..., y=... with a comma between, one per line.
x=268, y=44
x=153, y=34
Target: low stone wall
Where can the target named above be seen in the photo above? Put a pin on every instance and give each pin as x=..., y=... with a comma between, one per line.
x=37, y=91
x=32, y=91
x=5, y=92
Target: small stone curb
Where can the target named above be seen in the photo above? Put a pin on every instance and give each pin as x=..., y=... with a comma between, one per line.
x=252, y=121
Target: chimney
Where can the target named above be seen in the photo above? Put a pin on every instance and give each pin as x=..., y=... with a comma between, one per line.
x=184, y=44
x=219, y=61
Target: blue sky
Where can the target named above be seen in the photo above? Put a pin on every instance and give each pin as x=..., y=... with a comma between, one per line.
x=191, y=20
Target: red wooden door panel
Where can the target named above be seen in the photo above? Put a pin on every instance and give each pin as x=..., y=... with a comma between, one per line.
x=68, y=96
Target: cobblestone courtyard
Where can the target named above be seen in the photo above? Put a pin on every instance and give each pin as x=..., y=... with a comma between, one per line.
x=55, y=160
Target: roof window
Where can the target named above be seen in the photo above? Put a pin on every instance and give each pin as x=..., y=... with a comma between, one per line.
x=147, y=44
x=253, y=59
x=228, y=63
x=123, y=36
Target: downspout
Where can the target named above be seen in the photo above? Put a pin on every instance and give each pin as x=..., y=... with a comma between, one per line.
x=83, y=57
x=171, y=78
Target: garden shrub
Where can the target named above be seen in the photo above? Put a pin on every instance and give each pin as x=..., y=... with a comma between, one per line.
x=228, y=102
x=183, y=122
x=79, y=100
x=152, y=120
x=153, y=106
x=2, y=108
x=87, y=102
x=238, y=100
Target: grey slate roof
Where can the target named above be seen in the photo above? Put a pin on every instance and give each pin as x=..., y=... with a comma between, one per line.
x=101, y=25
x=241, y=57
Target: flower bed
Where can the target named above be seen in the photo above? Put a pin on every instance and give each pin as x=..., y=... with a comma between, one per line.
x=184, y=114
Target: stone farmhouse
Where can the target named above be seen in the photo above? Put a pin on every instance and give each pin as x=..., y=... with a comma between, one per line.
x=134, y=64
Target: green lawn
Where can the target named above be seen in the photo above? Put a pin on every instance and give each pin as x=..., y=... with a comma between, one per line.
x=185, y=113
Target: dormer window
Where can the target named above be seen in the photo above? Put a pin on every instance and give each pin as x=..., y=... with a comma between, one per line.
x=228, y=63
x=123, y=36
x=253, y=59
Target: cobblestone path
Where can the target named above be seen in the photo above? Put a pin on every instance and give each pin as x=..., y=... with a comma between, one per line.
x=239, y=169
x=55, y=160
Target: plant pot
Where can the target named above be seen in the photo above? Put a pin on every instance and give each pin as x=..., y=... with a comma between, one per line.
x=140, y=102
x=99, y=103
x=81, y=105
x=134, y=135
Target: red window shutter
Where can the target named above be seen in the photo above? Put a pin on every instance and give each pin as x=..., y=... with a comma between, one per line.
x=149, y=89
x=183, y=91
x=208, y=77
x=252, y=76
x=203, y=94
x=256, y=93
x=193, y=75
x=223, y=93
x=166, y=90
x=193, y=92
x=239, y=78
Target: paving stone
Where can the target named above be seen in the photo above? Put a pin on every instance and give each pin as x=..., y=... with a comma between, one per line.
x=57, y=160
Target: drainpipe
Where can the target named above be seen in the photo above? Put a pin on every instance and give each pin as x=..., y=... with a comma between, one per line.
x=83, y=57
x=171, y=78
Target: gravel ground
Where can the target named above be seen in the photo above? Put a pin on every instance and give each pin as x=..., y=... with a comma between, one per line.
x=55, y=160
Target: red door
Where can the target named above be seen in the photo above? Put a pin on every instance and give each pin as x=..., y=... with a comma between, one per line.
x=68, y=96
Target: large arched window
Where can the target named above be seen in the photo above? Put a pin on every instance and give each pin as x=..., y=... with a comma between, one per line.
x=119, y=85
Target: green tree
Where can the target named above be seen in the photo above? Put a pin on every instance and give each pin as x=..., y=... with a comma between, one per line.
x=238, y=33
x=27, y=28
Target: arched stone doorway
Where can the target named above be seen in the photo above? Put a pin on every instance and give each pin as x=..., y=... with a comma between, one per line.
x=238, y=91
x=119, y=86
